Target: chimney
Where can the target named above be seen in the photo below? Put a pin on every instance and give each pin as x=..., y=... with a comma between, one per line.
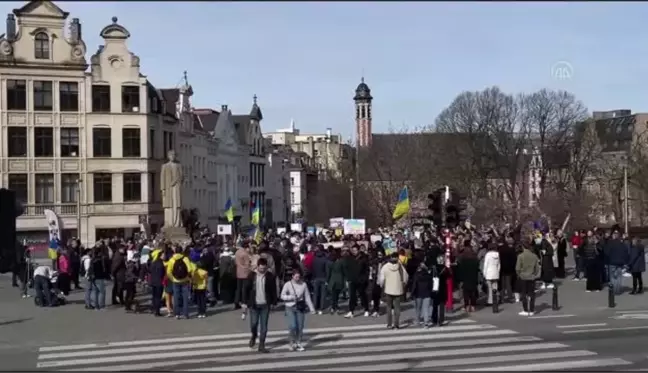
x=11, y=27
x=223, y=107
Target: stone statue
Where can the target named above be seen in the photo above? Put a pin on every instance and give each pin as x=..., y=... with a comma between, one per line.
x=171, y=183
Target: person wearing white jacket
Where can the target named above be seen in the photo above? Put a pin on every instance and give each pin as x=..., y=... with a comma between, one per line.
x=491, y=271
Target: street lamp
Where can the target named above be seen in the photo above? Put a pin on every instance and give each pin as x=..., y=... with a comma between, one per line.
x=78, y=207
x=352, y=197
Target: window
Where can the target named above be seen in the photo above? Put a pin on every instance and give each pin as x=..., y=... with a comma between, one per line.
x=131, y=142
x=17, y=141
x=42, y=46
x=69, y=142
x=18, y=183
x=101, y=98
x=102, y=187
x=292, y=181
x=101, y=146
x=132, y=187
x=69, y=188
x=151, y=140
x=43, y=142
x=130, y=99
x=69, y=96
x=152, y=189
x=16, y=95
x=167, y=138
x=44, y=188
x=42, y=96
x=292, y=198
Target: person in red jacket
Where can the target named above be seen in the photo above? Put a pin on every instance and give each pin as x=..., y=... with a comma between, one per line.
x=577, y=243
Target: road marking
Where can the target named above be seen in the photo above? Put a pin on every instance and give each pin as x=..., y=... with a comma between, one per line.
x=604, y=330
x=451, y=347
x=218, y=337
x=580, y=326
x=555, y=365
x=332, y=345
x=551, y=316
x=265, y=364
x=226, y=347
x=631, y=316
x=633, y=311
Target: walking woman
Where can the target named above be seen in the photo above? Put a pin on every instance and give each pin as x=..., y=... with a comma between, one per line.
x=297, y=301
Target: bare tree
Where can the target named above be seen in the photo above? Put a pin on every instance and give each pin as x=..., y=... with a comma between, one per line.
x=551, y=117
x=496, y=138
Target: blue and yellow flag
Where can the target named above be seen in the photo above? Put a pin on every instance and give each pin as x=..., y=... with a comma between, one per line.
x=256, y=215
x=229, y=210
x=258, y=235
x=403, y=204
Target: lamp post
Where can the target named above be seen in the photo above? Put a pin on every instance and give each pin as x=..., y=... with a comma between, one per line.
x=626, y=197
x=352, y=198
x=78, y=207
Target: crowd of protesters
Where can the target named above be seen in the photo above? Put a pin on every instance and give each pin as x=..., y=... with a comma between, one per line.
x=314, y=272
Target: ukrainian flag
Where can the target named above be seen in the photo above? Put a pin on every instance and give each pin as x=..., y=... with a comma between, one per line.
x=403, y=204
x=258, y=235
x=256, y=215
x=52, y=250
x=229, y=210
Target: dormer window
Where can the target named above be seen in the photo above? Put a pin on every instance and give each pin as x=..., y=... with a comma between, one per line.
x=42, y=46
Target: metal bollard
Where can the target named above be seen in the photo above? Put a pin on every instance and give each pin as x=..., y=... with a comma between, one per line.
x=555, y=305
x=495, y=301
x=611, y=302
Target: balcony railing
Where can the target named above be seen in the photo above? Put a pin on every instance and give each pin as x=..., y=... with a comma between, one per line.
x=70, y=209
x=62, y=209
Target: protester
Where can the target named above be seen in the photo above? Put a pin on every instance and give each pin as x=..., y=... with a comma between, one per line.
x=527, y=268
x=393, y=279
x=297, y=301
x=260, y=294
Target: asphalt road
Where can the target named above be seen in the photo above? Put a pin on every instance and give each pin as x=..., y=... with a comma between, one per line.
x=583, y=334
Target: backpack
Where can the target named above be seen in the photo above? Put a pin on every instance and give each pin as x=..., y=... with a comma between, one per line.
x=132, y=274
x=180, y=271
x=227, y=266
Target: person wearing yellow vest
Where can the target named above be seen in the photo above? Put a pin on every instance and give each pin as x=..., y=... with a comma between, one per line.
x=179, y=273
x=199, y=282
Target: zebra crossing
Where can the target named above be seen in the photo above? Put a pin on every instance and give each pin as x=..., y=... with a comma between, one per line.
x=463, y=345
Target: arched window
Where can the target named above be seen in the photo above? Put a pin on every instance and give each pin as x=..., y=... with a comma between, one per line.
x=42, y=46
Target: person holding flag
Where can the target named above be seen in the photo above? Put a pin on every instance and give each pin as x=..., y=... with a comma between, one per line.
x=229, y=210
x=403, y=205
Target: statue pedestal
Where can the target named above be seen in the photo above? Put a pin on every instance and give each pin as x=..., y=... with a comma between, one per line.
x=176, y=235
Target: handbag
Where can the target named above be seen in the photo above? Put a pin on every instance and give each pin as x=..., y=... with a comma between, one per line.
x=300, y=304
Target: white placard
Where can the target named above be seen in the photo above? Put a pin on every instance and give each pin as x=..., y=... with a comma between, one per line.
x=281, y=230
x=296, y=227
x=224, y=229
x=376, y=237
x=354, y=226
x=336, y=223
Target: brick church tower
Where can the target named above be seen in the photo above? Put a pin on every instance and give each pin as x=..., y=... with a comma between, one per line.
x=363, y=100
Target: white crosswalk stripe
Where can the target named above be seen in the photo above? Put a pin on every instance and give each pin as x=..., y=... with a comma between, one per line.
x=463, y=345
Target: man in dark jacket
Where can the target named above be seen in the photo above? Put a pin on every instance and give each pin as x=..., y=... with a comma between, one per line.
x=118, y=272
x=157, y=272
x=319, y=273
x=259, y=295
x=615, y=254
x=637, y=265
x=357, y=271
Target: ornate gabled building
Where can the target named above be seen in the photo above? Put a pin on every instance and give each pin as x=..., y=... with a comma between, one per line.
x=88, y=145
